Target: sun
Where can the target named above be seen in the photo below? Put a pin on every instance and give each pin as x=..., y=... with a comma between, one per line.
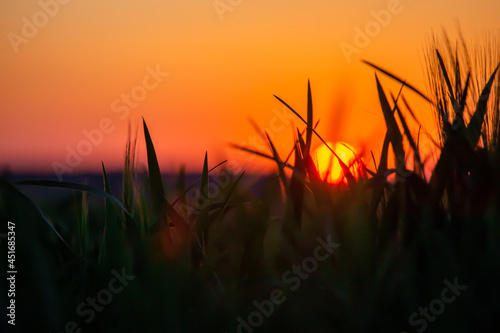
x=329, y=166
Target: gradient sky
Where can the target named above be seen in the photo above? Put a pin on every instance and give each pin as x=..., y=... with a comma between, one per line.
x=66, y=76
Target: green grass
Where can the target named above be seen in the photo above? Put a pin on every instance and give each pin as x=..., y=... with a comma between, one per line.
x=200, y=261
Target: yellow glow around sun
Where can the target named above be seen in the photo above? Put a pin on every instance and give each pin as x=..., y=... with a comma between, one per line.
x=329, y=166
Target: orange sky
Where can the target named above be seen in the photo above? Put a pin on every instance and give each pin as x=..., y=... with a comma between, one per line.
x=223, y=67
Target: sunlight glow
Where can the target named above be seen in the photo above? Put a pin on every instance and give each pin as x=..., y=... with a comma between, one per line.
x=329, y=166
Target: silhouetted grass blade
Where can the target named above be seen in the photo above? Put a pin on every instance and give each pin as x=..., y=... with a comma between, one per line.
x=280, y=165
x=74, y=186
x=309, y=120
x=9, y=188
x=451, y=93
x=345, y=169
x=473, y=131
x=392, y=127
x=297, y=184
x=155, y=178
x=407, y=132
x=258, y=153
x=183, y=194
x=231, y=192
x=395, y=77
x=463, y=98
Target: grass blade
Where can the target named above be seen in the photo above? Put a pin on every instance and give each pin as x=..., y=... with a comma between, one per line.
x=204, y=177
x=345, y=168
x=473, y=131
x=309, y=119
x=74, y=186
x=464, y=95
x=297, y=184
x=258, y=153
x=108, y=213
x=382, y=165
x=194, y=183
x=386, y=72
x=280, y=164
x=230, y=192
x=392, y=127
x=410, y=110
x=203, y=221
x=155, y=178
x=132, y=230
x=407, y=132
x=451, y=94
x=34, y=208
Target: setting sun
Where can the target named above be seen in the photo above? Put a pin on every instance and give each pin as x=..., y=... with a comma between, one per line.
x=329, y=166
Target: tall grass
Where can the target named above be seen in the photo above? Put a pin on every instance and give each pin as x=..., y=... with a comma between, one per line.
x=458, y=74
x=200, y=260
